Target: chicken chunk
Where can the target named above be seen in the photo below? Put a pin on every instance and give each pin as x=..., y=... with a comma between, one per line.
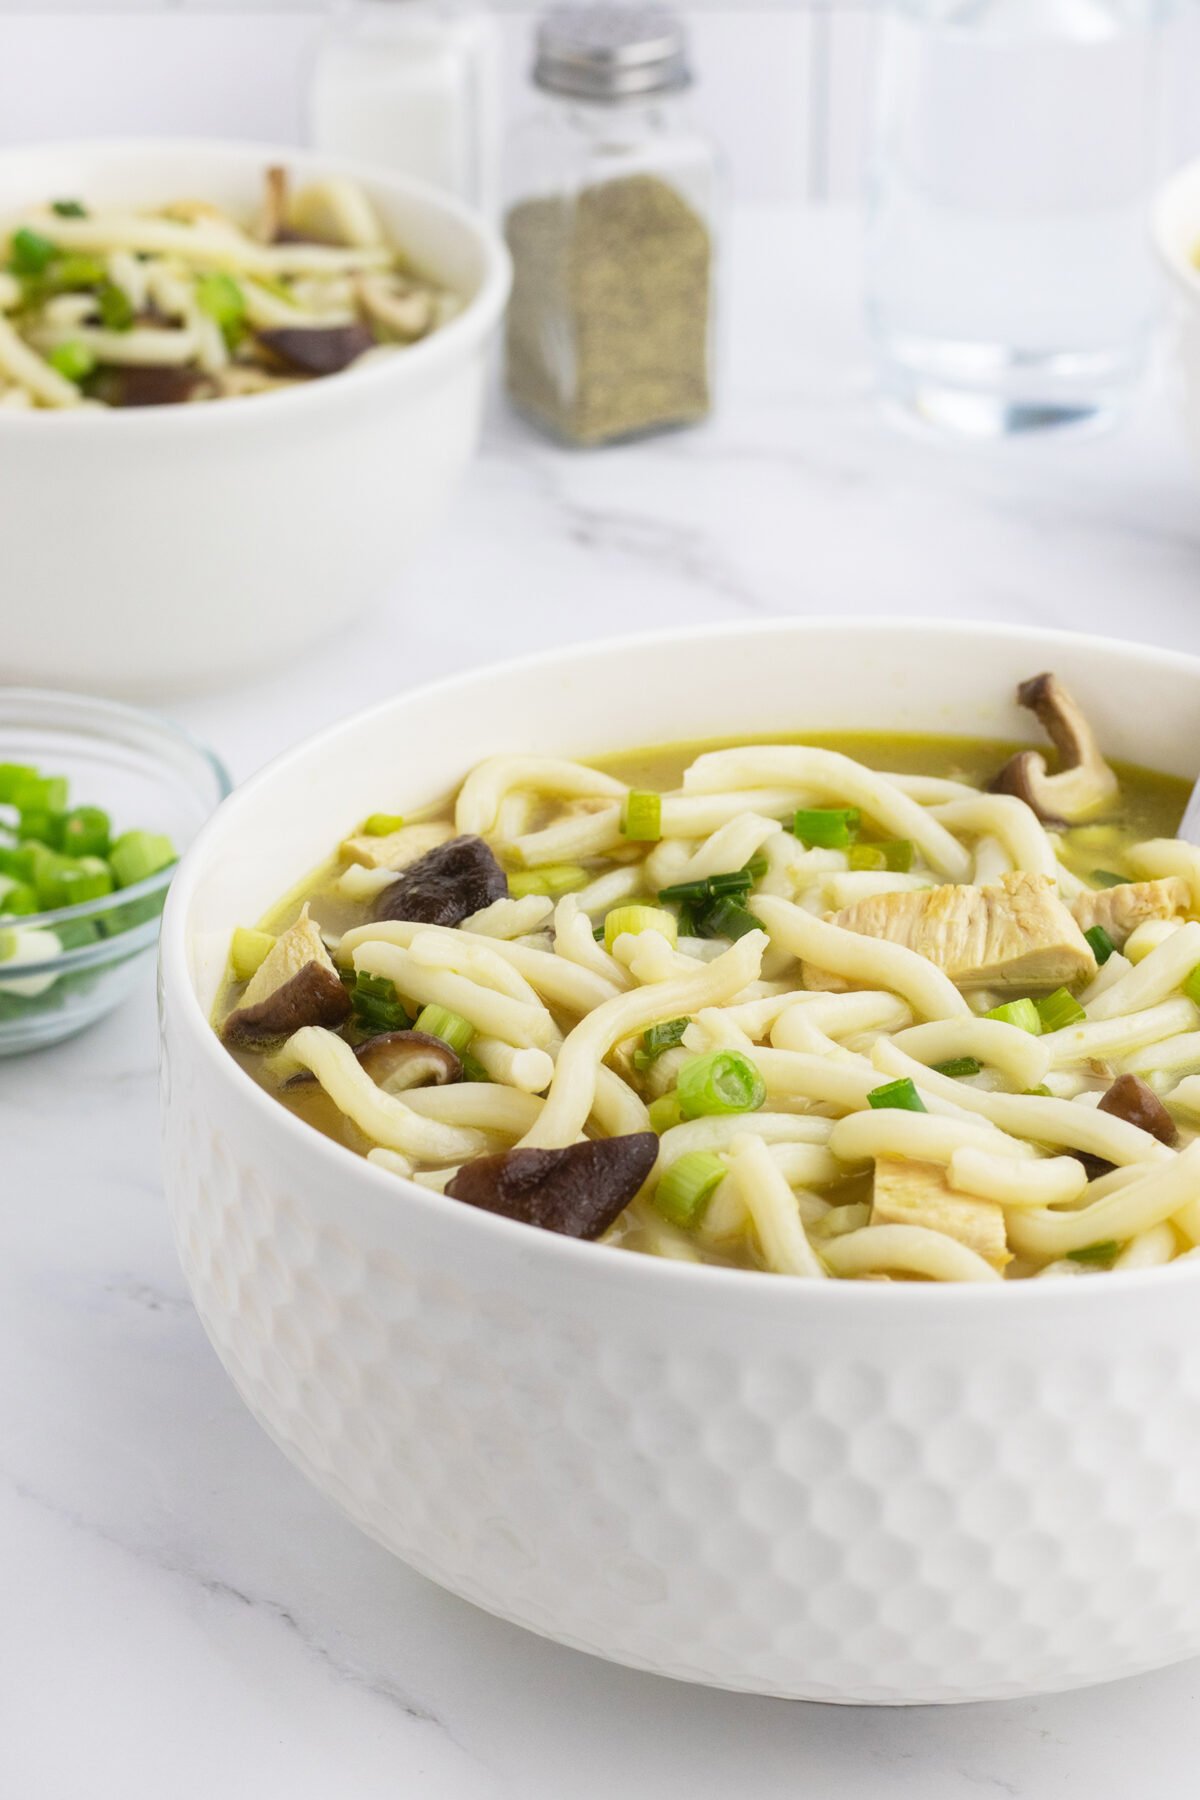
x=919, y=1193
x=1015, y=934
x=297, y=984
x=1120, y=910
x=398, y=848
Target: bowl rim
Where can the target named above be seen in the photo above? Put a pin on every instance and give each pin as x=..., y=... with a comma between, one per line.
x=1184, y=275
x=138, y=937
x=550, y=1252
x=457, y=336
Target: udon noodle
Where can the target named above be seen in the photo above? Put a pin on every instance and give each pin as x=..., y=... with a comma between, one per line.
x=792, y=1012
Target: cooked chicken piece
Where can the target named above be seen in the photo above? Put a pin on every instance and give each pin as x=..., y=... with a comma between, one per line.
x=297, y=984
x=398, y=848
x=919, y=1193
x=1120, y=910
x=1015, y=934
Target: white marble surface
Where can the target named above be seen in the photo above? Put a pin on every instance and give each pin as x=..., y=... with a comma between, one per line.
x=179, y=1614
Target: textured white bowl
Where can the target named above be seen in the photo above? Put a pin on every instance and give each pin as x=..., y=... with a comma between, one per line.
x=177, y=546
x=836, y=1491
x=1176, y=230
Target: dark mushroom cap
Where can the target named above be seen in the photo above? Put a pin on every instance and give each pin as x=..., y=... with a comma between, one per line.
x=313, y=996
x=578, y=1191
x=1131, y=1099
x=140, y=384
x=446, y=885
x=396, y=1060
x=317, y=349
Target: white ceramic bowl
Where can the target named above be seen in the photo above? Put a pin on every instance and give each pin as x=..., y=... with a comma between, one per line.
x=1176, y=229
x=845, y=1492
x=176, y=546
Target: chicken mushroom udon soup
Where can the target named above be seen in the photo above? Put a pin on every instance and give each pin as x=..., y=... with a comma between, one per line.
x=765, y=1006
x=104, y=306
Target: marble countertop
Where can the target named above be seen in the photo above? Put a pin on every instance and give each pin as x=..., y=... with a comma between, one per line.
x=181, y=1614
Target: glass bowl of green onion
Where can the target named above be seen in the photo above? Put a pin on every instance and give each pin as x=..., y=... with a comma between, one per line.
x=97, y=803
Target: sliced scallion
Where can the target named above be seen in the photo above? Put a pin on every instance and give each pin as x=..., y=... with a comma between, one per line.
x=69, y=209
x=382, y=824
x=1021, y=1013
x=1105, y=878
x=657, y=1039
x=958, y=1066
x=115, y=307
x=376, y=1004
x=827, y=827
x=1058, y=1010
x=552, y=879
x=72, y=359
x=32, y=253
x=665, y=1112
x=1095, y=1253
x=1102, y=945
x=720, y=1082
x=451, y=1027
x=136, y=855
x=642, y=821
x=638, y=918
x=248, y=951
x=898, y=1096
x=1191, y=985
x=685, y=1188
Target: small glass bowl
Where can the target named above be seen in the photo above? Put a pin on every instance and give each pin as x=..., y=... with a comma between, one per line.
x=147, y=775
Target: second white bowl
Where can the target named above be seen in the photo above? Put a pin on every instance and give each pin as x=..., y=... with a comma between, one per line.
x=176, y=546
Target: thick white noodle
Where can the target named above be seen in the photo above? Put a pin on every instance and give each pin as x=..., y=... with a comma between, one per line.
x=1149, y=1249
x=1154, y=978
x=1168, y=856
x=773, y=1211
x=1047, y=1181
x=1005, y=817
x=572, y=1092
x=1120, y=1036
x=574, y=941
x=481, y=795
x=1161, y=1194
x=730, y=847
x=616, y=1109
x=484, y=1105
x=477, y=961
x=515, y=1021
x=560, y=982
x=511, y=918
x=837, y=1015
x=1016, y=1053
x=530, y=1070
x=834, y=777
x=905, y=1249
x=919, y=1137
x=384, y=1118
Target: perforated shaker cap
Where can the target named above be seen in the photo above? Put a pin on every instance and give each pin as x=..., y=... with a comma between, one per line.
x=611, y=52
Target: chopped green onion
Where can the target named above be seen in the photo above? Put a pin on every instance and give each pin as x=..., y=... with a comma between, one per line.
x=18, y=901
x=551, y=879
x=1104, y=878
x=136, y=855
x=757, y=867
x=643, y=816
x=899, y=855
x=725, y=918
x=249, y=951
x=1021, y=1013
x=1058, y=1010
x=382, y=824
x=41, y=826
x=827, y=827
x=686, y=1187
x=115, y=307
x=657, y=1039
x=1191, y=985
x=69, y=209
x=1095, y=1253
x=32, y=253
x=86, y=831
x=722, y=1081
x=72, y=274
x=451, y=1027
x=958, y=1066
x=1102, y=945
x=377, y=1005
x=898, y=1096
x=49, y=882
x=224, y=300
x=12, y=778
x=687, y=892
x=665, y=1112
x=1040, y=1092
x=638, y=918
x=866, y=856
x=72, y=359
x=89, y=879
x=17, y=863
x=40, y=793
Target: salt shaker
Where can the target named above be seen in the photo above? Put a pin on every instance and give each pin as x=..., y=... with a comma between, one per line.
x=413, y=85
x=612, y=201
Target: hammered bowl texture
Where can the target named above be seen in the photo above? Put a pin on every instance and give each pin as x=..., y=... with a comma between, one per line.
x=853, y=1515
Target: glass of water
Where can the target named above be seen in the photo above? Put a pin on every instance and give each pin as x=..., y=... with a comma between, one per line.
x=1009, y=280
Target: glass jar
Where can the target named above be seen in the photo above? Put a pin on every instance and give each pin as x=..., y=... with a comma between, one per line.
x=413, y=85
x=1016, y=142
x=612, y=198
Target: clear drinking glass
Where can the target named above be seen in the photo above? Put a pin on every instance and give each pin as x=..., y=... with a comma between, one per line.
x=1009, y=279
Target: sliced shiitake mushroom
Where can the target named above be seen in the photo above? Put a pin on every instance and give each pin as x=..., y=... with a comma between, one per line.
x=151, y=384
x=296, y=985
x=1084, y=782
x=578, y=1191
x=317, y=349
x=1129, y=1098
x=398, y=1060
x=446, y=885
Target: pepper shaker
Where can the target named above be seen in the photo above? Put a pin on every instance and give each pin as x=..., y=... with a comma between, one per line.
x=611, y=220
